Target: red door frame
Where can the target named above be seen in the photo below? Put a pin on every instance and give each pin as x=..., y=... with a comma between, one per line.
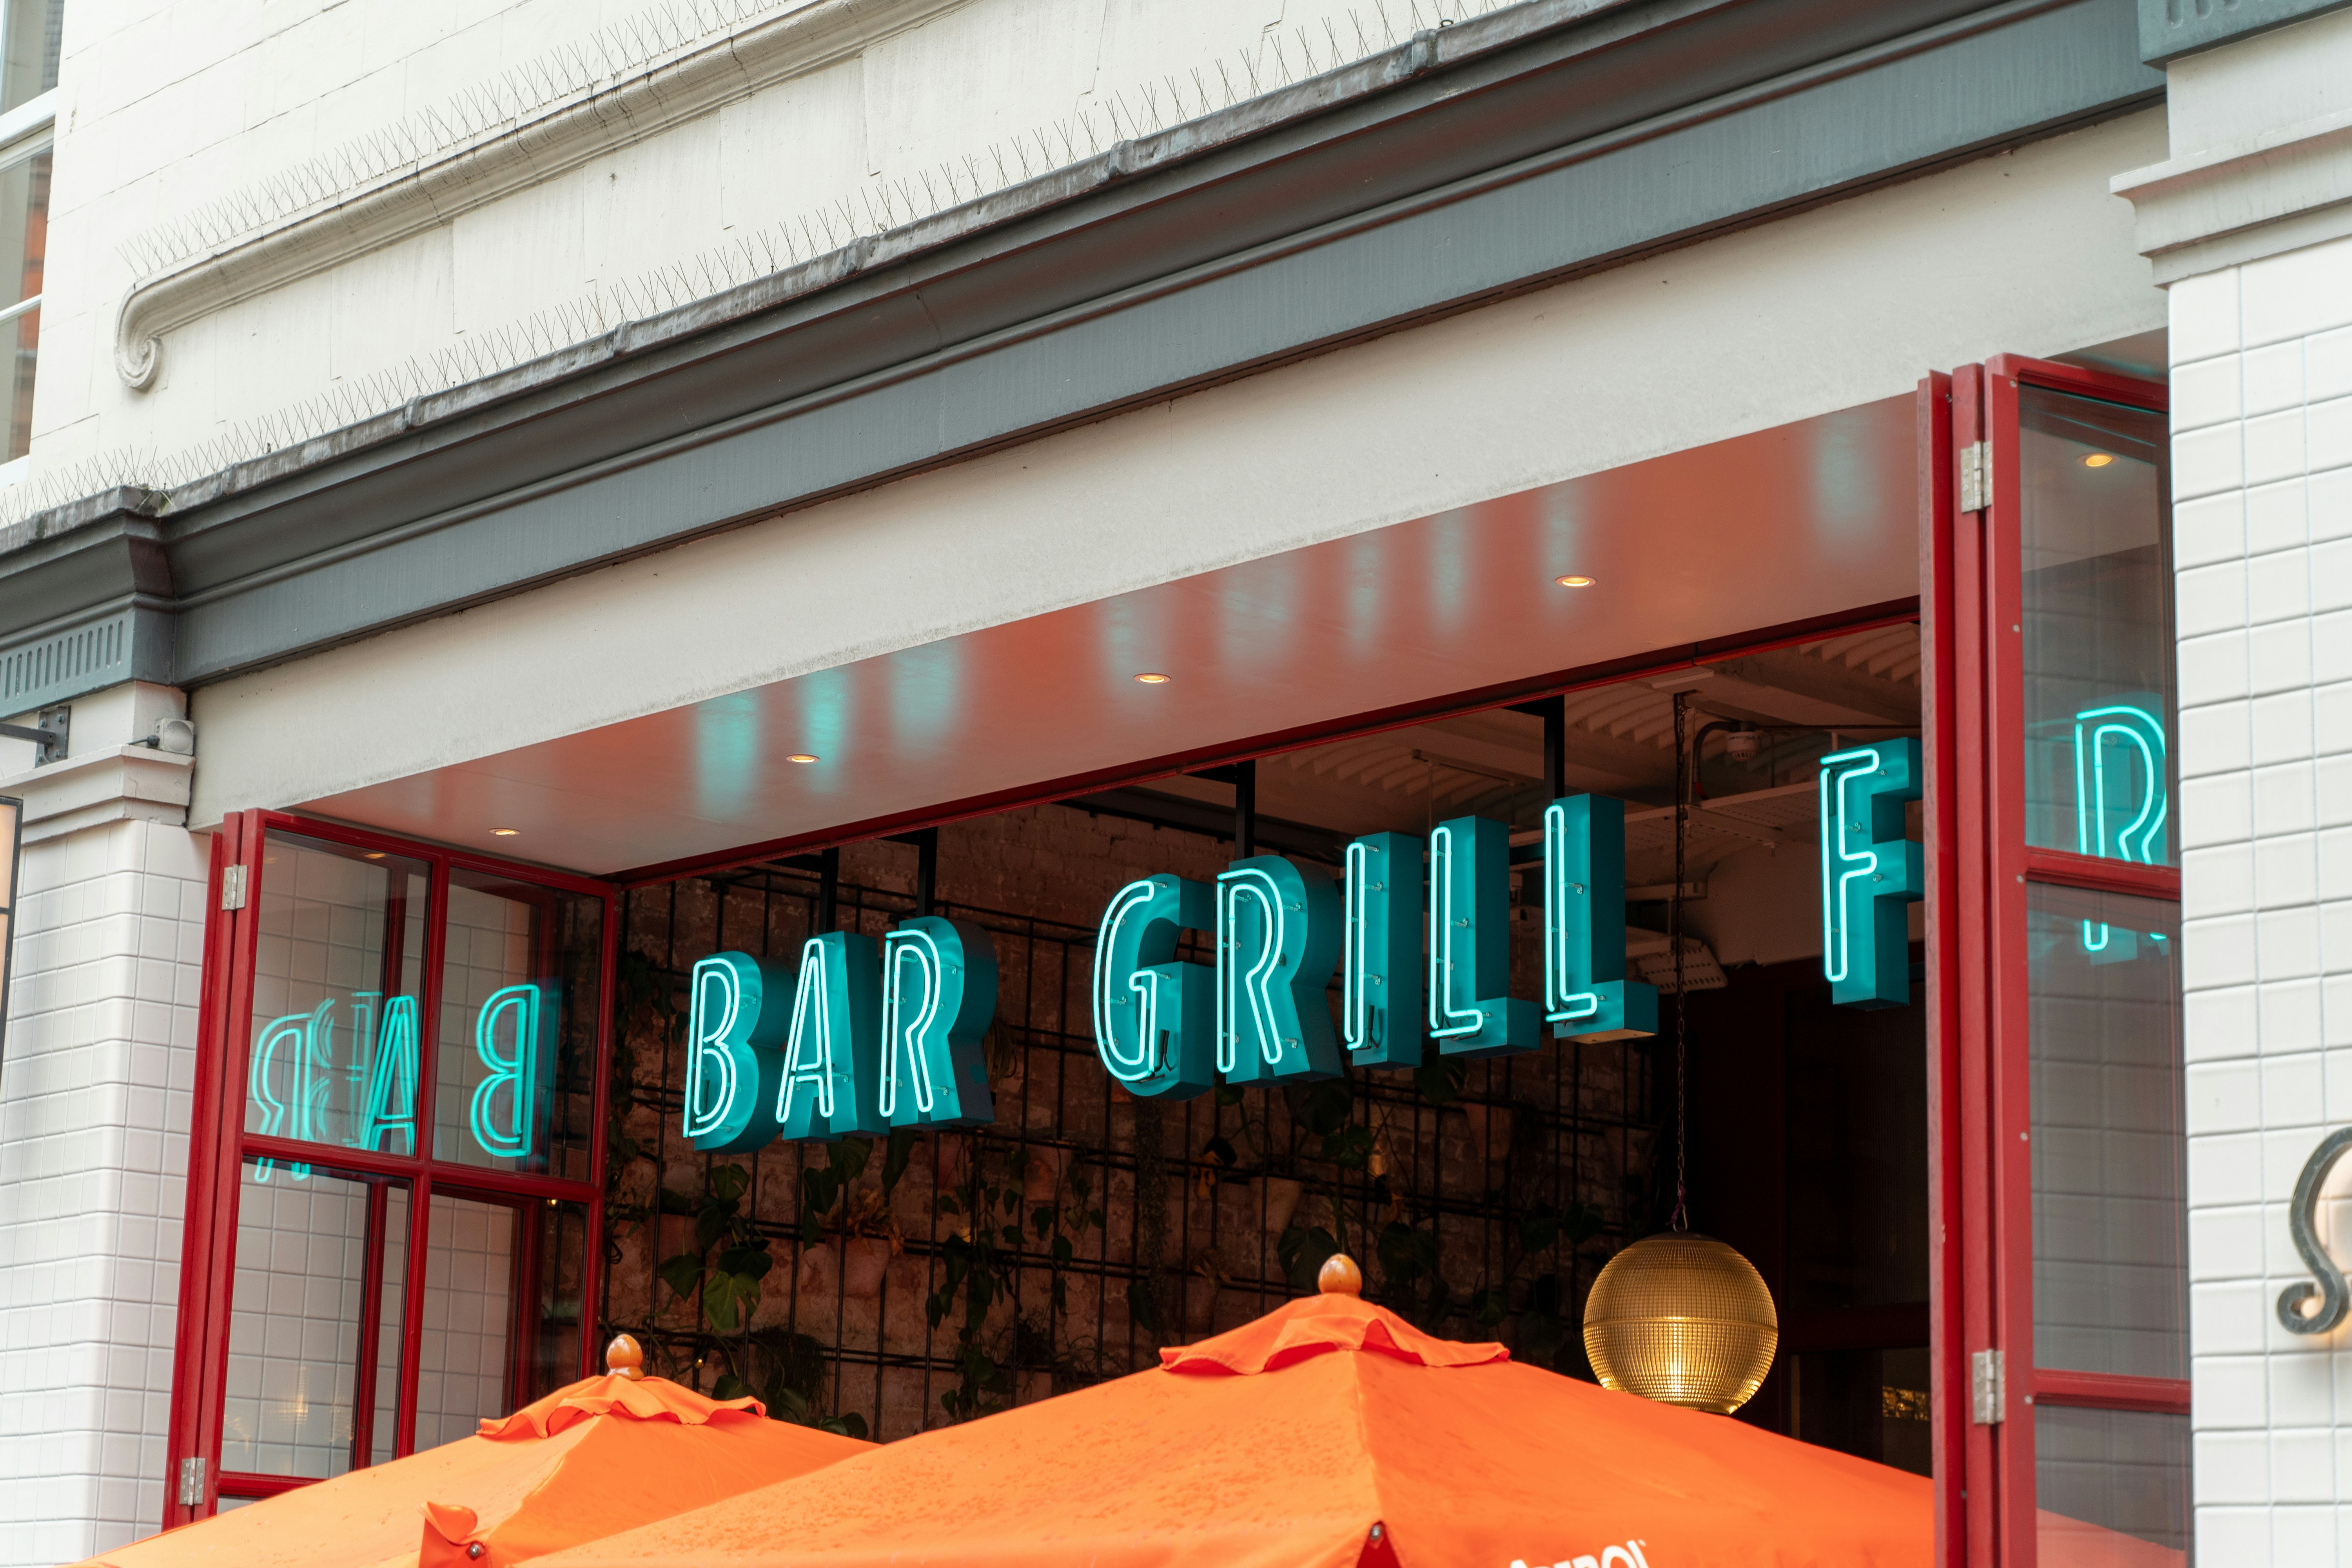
x=1980, y=871
x=218, y=1143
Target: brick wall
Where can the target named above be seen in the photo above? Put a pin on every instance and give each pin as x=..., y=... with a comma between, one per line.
x=94, y=1102
x=2261, y=384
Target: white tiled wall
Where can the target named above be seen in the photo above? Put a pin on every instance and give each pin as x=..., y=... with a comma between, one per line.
x=2261, y=384
x=94, y=1099
x=469, y=1313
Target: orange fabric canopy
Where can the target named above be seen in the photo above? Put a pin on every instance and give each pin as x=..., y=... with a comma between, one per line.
x=602, y=1455
x=1283, y=1444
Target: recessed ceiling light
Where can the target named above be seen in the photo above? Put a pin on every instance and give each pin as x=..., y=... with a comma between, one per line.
x=1573, y=581
x=1152, y=678
x=373, y=855
x=504, y=832
x=801, y=757
x=2098, y=459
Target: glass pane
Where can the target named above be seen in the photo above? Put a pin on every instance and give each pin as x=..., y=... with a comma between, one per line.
x=2097, y=1471
x=1873, y=1404
x=24, y=251
x=2110, y=1284
x=337, y=972
x=2097, y=628
x=463, y=1370
x=29, y=68
x=515, y=1081
x=385, y=1428
x=301, y=1315
x=559, y=1271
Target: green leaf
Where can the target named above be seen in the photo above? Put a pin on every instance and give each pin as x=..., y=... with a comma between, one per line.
x=848, y=1158
x=730, y=1387
x=1143, y=1304
x=1406, y=1253
x=682, y=1273
x=709, y=1226
x=1350, y=1148
x=1441, y=1080
x=1062, y=1250
x=751, y=1262
x=850, y=1426
x=1583, y=1222
x=1221, y=1149
x=1041, y=1220
x=818, y=1190
x=1228, y=1095
x=1489, y=1306
x=894, y=1163
x=1303, y=1253
x=1322, y=1106
x=729, y=1183
x=1538, y=1231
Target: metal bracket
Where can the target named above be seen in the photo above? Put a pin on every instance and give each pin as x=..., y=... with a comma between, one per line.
x=1976, y=477
x=1988, y=1388
x=192, y=1483
x=49, y=734
x=232, y=879
x=2303, y=1224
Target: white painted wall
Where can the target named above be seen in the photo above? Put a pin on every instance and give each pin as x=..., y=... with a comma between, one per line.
x=181, y=116
x=1824, y=311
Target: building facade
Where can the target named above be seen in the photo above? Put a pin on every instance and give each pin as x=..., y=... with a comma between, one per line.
x=537, y=528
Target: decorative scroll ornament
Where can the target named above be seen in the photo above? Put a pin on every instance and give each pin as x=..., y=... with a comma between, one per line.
x=2303, y=1221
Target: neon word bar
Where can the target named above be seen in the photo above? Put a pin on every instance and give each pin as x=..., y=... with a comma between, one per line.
x=849, y=1040
x=1870, y=873
x=1380, y=957
x=1471, y=1012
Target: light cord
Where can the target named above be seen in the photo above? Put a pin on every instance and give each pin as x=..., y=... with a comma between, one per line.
x=1681, y=1217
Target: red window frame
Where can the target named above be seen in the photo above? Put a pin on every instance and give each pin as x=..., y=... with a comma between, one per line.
x=1979, y=873
x=219, y=1144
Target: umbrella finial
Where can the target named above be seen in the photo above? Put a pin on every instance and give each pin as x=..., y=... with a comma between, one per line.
x=625, y=1358
x=1339, y=1276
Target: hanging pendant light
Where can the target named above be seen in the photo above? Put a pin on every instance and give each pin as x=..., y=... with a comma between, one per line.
x=1680, y=1318
x=1684, y=1319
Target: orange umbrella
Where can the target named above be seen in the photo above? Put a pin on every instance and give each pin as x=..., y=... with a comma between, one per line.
x=604, y=1455
x=1328, y=1434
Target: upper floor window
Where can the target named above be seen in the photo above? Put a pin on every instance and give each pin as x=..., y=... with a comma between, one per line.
x=29, y=37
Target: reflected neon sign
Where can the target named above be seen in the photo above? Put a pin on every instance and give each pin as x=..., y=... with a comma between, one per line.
x=2121, y=801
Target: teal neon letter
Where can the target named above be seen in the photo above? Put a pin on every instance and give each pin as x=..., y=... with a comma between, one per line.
x=833, y=1058
x=523, y=1017
x=2120, y=799
x=390, y=1102
x=1154, y=1019
x=1277, y=938
x=1870, y=873
x=1471, y=1011
x=1586, y=993
x=737, y=1023
x=1379, y=953
x=938, y=994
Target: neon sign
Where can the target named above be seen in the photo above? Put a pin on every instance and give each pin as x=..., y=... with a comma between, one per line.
x=1155, y=1020
x=832, y=1057
x=734, y=1063
x=2120, y=800
x=1471, y=1013
x=939, y=996
x=1586, y=993
x=523, y=1019
x=293, y=1073
x=1380, y=951
x=1277, y=938
x=1870, y=873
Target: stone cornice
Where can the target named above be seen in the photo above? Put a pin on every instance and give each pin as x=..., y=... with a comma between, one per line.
x=2280, y=191
x=572, y=131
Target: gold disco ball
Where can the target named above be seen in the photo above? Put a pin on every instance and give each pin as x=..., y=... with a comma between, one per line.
x=1683, y=1320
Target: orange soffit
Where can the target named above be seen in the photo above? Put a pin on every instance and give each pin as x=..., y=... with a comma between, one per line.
x=1330, y=1433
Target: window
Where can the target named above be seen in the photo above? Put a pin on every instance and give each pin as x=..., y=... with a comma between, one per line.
x=396, y=1251
x=2062, y=1280
x=29, y=40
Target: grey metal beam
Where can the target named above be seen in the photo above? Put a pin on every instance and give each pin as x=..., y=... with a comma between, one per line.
x=2170, y=28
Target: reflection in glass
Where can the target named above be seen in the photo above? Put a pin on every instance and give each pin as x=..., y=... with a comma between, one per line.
x=337, y=971
x=2097, y=628
x=29, y=37
x=1869, y=1403
x=299, y=1318
x=463, y=1372
x=2100, y=1470
x=24, y=258
x=515, y=1076
x=1857, y=1155
x=2110, y=1283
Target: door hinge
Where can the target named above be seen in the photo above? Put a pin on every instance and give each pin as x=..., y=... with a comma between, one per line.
x=1988, y=1388
x=232, y=887
x=1976, y=477
x=192, y=1481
